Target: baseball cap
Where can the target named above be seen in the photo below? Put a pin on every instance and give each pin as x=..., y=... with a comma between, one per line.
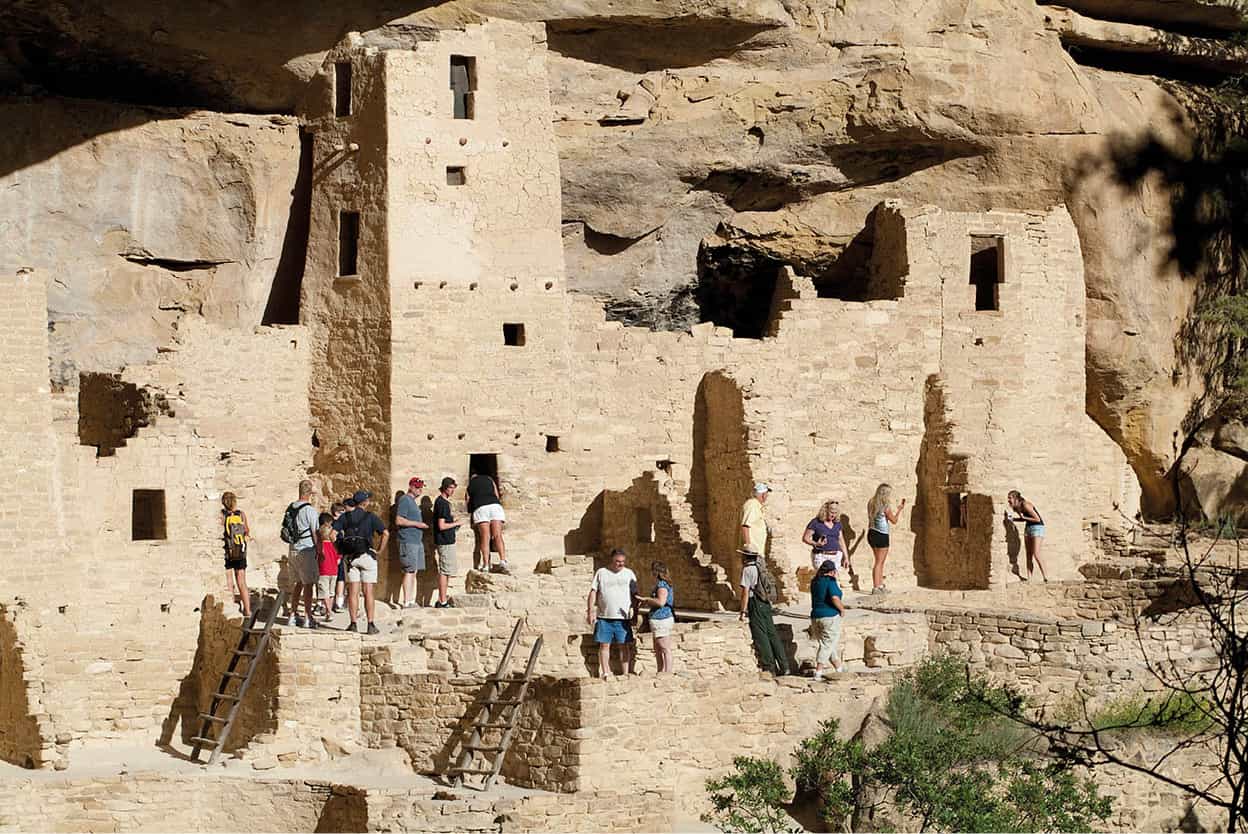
x=416, y=483
x=361, y=496
x=760, y=488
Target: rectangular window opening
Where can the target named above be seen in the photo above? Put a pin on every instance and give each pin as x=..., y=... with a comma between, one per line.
x=147, y=515
x=348, y=243
x=456, y=175
x=987, y=270
x=513, y=335
x=957, y=510
x=464, y=85
x=552, y=442
x=342, y=88
x=643, y=524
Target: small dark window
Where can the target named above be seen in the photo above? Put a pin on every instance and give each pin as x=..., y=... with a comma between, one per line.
x=664, y=465
x=464, y=85
x=987, y=269
x=342, y=88
x=456, y=176
x=513, y=335
x=552, y=442
x=348, y=242
x=147, y=515
x=643, y=524
x=957, y=510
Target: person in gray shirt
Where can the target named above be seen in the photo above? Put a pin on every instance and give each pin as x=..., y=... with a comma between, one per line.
x=410, y=521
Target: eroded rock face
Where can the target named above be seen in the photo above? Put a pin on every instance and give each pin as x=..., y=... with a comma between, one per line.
x=141, y=217
x=699, y=140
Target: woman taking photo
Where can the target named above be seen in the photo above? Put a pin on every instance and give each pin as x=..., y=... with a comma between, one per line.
x=882, y=514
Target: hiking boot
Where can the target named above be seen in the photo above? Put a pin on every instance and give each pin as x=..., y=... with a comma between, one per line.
x=353, y=627
x=372, y=629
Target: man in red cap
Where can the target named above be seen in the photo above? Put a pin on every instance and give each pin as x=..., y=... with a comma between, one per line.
x=412, y=527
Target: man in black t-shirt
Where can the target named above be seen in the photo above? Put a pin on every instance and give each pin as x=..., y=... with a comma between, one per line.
x=444, y=528
x=358, y=529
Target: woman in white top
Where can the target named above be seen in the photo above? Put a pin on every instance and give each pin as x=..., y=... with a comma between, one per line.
x=882, y=514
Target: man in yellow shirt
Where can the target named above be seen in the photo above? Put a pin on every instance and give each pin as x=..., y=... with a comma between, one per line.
x=753, y=527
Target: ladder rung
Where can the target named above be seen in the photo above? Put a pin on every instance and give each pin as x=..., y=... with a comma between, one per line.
x=234, y=675
x=484, y=748
x=242, y=653
x=216, y=718
x=507, y=703
x=221, y=696
x=255, y=630
x=492, y=725
x=469, y=771
x=204, y=742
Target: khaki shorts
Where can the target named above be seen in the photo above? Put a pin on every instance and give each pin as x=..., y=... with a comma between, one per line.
x=363, y=569
x=305, y=568
x=446, y=560
x=662, y=628
x=325, y=586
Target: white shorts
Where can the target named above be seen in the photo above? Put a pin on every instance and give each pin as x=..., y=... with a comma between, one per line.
x=490, y=512
x=662, y=628
x=363, y=569
x=818, y=557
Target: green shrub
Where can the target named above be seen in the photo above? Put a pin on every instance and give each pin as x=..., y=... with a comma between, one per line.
x=750, y=799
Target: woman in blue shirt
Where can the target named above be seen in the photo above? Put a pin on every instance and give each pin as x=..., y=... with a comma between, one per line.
x=662, y=614
x=826, y=613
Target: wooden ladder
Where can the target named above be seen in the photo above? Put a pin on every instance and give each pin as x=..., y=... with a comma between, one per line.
x=496, y=714
x=215, y=729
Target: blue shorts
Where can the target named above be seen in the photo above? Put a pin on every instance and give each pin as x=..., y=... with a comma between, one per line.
x=1034, y=531
x=613, y=631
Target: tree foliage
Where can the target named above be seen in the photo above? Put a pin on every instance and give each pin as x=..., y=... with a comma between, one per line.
x=953, y=761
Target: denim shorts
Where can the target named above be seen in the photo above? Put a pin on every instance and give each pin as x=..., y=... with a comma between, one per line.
x=613, y=631
x=1034, y=531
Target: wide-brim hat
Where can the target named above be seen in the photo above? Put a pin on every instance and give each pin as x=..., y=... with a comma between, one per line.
x=749, y=551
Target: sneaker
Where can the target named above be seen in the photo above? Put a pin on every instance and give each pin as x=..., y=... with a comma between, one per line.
x=353, y=627
x=298, y=622
x=819, y=676
x=501, y=567
x=338, y=609
x=407, y=605
x=312, y=623
x=372, y=629
x=441, y=605
x=318, y=610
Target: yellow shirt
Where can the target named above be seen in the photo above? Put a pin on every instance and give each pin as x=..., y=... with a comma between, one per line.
x=752, y=517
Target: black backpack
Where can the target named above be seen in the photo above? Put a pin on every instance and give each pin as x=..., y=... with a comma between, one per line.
x=353, y=542
x=290, y=523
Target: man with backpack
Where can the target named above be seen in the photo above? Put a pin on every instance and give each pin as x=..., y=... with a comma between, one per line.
x=758, y=593
x=299, y=531
x=358, y=528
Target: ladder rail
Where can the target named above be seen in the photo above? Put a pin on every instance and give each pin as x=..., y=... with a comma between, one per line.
x=497, y=685
x=514, y=718
x=249, y=631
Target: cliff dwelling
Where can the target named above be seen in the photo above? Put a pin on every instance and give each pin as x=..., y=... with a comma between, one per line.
x=581, y=280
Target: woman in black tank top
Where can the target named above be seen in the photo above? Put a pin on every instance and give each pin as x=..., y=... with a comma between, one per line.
x=486, y=511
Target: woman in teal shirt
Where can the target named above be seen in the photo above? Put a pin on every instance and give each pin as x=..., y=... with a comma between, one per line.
x=826, y=613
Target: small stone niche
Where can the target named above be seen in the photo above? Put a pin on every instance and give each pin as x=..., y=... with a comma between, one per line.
x=552, y=442
x=987, y=270
x=456, y=175
x=513, y=334
x=147, y=515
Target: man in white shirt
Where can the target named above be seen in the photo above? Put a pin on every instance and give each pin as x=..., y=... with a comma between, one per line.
x=610, y=611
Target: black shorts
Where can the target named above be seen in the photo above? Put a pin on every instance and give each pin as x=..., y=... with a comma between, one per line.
x=236, y=564
x=877, y=539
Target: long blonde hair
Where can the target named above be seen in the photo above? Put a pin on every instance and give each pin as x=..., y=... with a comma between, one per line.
x=824, y=509
x=882, y=500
